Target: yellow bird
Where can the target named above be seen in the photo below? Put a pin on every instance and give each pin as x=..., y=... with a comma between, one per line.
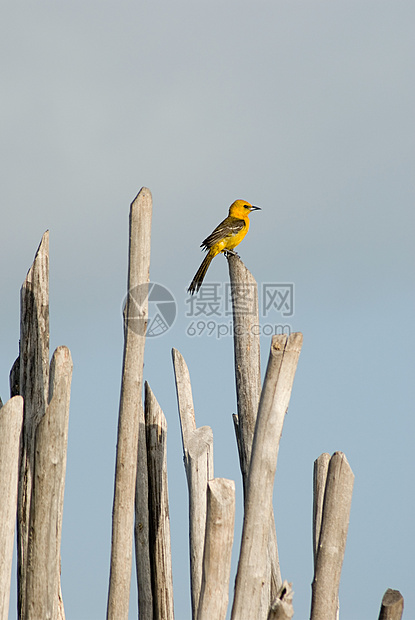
x=224, y=238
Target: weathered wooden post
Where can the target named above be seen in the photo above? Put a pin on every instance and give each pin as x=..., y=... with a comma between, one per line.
x=161, y=568
x=321, y=467
x=220, y=519
x=198, y=461
x=43, y=568
x=273, y=405
x=211, y=508
x=43, y=448
x=245, y=318
x=392, y=605
x=332, y=518
x=33, y=385
x=130, y=416
x=246, y=339
x=11, y=419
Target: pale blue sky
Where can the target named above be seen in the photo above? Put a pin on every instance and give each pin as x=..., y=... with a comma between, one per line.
x=302, y=108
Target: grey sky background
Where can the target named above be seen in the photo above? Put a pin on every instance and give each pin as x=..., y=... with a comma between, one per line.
x=302, y=108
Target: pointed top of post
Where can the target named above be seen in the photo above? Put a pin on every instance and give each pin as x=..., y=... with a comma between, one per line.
x=143, y=197
x=41, y=259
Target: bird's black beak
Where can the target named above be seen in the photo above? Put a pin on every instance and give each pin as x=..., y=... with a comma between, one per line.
x=255, y=208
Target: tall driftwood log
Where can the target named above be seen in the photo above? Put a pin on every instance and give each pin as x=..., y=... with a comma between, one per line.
x=273, y=405
x=161, y=565
x=220, y=519
x=33, y=385
x=142, y=525
x=332, y=538
x=184, y=397
x=392, y=605
x=130, y=414
x=198, y=461
x=246, y=338
x=321, y=467
x=11, y=419
x=43, y=569
x=244, y=291
x=30, y=377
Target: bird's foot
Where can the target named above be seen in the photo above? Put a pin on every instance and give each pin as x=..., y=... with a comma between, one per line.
x=230, y=253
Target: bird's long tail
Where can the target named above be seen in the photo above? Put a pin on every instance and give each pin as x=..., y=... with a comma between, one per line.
x=196, y=283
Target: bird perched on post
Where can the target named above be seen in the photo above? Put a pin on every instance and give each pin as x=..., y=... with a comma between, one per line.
x=224, y=238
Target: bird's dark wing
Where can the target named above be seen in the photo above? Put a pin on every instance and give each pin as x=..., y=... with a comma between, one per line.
x=228, y=228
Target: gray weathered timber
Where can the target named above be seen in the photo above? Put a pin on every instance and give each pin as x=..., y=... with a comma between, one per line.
x=142, y=525
x=392, y=605
x=321, y=467
x=161, y=567
x=282, y=606
x=199, y=470
x=11, y=420
x=214, y=594
x=332, y=539
x=248, y=390
x=198, y=462
x=184, y=397
x=247, y=355
x=43, y=569
x=130, y=412
x=273, y=405
x=33, y=385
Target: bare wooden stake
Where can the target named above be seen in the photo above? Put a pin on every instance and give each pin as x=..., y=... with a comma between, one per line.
x=332, y=539
x=248, y=390
x=220, y=520
x=273, y=405
x=162, y=577
x=321, y=467
x=11, y=419
x=392, y=605
x=198, y=462
x=142, y=525
x=43, y=569
x=184, y=397
x=247, y=355
x=130, y=412
x=33, y=385
x=199, y=470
